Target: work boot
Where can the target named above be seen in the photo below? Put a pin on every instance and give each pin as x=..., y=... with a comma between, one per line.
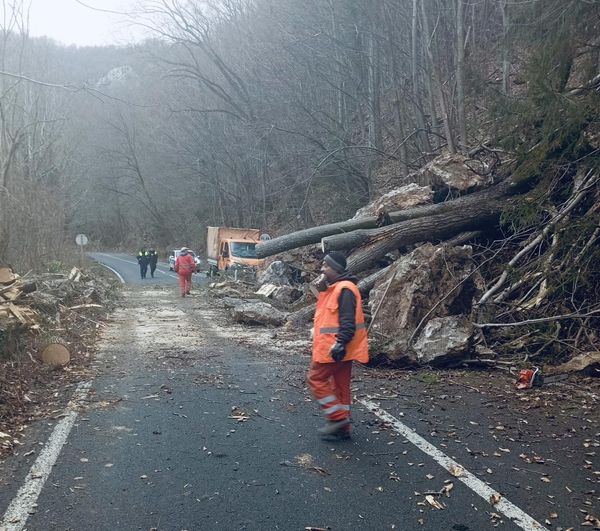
x=345, y=434
x=334, y=427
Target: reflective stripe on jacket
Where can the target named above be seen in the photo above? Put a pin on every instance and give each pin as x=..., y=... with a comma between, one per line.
x=327, y=324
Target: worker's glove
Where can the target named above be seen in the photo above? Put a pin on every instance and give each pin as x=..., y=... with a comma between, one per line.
x=338, y=351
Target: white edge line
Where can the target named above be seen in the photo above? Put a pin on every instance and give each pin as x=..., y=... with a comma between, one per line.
x=23, y=504
x=117, y=258
x=114, y=271
x=508, y=509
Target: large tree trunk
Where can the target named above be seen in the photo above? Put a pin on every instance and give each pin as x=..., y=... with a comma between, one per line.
x=316, y=234
x=448, y=211
x=376, y=243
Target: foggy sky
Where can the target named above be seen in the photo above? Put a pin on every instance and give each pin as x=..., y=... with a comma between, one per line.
x=70, y=22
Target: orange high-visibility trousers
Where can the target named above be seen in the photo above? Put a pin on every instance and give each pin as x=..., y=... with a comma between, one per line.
x=185, y=283
x=329, y=383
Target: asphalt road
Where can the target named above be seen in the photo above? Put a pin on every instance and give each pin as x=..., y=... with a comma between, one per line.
x=127, y=269
x=183, y=427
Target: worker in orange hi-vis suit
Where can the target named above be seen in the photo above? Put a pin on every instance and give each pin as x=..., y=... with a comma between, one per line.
x=339, y=337
x=184, y=267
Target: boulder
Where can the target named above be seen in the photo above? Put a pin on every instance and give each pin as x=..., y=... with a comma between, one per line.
x=407, y=196
x=232, y=302
x=452, y=171
x=257, y=313
x=278, y=273
x=444, y=340
x=285, y=294
x=439, y=276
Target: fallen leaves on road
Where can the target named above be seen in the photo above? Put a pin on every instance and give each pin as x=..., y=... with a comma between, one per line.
x=433, y=502
x=456, y=470
x=305, y=461
x=238, y=414
x=495, y=498
x=591, y=520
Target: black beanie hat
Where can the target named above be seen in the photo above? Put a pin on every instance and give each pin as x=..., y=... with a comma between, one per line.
x=336, y=261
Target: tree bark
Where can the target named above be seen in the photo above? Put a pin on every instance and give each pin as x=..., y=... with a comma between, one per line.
x=367, y=283
x=378, y=242
x=317, y=234
x=445, y=212
x=505, y=47
x=460, y=75
x=436, y=80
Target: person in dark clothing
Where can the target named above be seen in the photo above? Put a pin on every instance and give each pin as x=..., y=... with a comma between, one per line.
x=339, y=337
x=152, y=261
x=143, y=258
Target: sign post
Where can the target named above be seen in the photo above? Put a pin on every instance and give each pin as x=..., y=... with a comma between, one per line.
x=81, y=240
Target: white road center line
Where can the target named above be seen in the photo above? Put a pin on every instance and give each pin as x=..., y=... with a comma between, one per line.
x=511, y=511
x=23, y=504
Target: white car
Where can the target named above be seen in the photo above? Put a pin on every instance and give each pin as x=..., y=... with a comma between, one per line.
x=175, y=253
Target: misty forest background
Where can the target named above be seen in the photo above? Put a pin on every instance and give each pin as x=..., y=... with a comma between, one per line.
x=276, y=114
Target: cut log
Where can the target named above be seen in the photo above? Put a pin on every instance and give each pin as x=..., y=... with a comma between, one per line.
x=367, y=283
x=56, y=355
x=316, y=234
x=458, y=210
x=379, y=242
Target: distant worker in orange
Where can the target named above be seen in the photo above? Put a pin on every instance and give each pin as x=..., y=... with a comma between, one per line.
x=339, y=338
x=184, y=267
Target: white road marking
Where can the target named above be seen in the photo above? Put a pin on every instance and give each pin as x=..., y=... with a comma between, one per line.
x=165, y=273
x=23, y=504
x=114, y=271
x=511, y=511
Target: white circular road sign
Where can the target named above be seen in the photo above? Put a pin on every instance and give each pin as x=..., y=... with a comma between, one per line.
x=81, y=239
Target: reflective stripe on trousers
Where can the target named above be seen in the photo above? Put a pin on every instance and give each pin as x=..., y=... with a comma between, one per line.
x=330, y=385
x=336, y=329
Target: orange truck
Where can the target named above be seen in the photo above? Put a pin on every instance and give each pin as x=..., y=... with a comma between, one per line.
x=231, y=248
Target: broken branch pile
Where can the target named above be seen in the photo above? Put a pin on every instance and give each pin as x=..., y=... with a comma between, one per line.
x=13, y=288
x=46, y=321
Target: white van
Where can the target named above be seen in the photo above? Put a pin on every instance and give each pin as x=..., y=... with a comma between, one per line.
x=175, y=253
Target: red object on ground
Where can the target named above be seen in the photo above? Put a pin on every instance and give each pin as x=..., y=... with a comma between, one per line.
x=528, y=378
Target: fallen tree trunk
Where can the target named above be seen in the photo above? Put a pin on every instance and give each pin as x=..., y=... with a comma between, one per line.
x=367, y=283
x=316, y=234
x=465, y=204
x=378, y=242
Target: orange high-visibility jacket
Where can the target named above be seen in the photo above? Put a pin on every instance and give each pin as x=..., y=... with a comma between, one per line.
x=327, y=323
x=185, y=264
